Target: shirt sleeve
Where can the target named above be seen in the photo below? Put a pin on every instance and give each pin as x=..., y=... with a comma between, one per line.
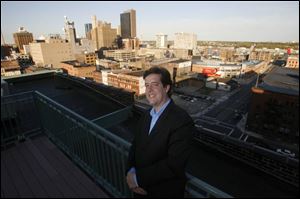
x=132, y=170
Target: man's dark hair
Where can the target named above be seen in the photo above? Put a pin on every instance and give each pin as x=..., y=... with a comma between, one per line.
x=165, y=76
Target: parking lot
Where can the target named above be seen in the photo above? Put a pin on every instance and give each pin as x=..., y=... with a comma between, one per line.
x=191, y=104
x=196, y=101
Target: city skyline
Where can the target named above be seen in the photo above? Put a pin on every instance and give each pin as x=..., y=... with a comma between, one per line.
x=212, y=21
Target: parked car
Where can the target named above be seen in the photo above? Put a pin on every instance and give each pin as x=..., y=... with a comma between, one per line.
x=286, y=152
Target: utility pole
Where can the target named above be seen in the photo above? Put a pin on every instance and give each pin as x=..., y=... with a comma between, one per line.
x=257, y=79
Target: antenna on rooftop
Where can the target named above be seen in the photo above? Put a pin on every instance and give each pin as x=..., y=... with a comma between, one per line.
x=2, y=39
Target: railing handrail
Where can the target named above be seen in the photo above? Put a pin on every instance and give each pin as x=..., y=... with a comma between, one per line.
x=79, y=81
x=206, y=187
x=15, y=94
x=84, y=120
x=14, y=123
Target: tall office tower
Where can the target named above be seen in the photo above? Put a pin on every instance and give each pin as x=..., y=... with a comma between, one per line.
x=70, y=33
x=102, y=33
x=94, y=21
x=161, y=40
x=128, y=24
x=185, y=41
x=88, y=30
x=87, y=27
x=22, y=38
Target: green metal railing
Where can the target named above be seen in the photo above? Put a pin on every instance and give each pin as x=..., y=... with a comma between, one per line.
x=19, y=117
x=97, y=151
x=114, y=118
x=196, y=188
x=100, y=153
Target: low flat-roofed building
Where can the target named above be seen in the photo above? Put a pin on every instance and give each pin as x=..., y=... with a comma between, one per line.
x=112, y=76
x=131, y=43
x=87, y=58
x=10, y=68
x=261, y=55
x=225, y=84
x=133, y=81
x=227, y=54
x=162, y=61
x=274, y=109
x=230, y=70
x=51, y=52
x=160, y=53
x=106, y=63
x=292, y=62
x=218, y=69
x=183, y=66
x=97, y=76
x=120, y=55
x=78, y=69
x=122, y=78
x=138, y=62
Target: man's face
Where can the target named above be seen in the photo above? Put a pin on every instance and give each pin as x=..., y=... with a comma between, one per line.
x=155, y=92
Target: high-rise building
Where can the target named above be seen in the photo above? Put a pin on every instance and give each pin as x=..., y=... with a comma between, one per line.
x=131, y=44
x=94, y=21
x=70, y=33
x=51, y=52
x=22, y=38
x=102, y=33
x=185, y=41
x=128, y=24
x=161, y=40
x=88, y=29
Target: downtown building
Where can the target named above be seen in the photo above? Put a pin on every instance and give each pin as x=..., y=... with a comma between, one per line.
x=50, y=52
x=78, y=46
x=22, y=38
x=185, y=41
x=120, y=55
x=102, y=33
x=274, y=109
x=88, y=29
x=128, y=24
x=292, y=62
x=161, y=40
x=78, y=69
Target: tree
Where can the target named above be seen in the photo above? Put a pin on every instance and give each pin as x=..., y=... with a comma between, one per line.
x=118, y=43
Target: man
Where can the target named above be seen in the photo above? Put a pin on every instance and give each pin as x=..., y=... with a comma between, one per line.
x=161, y=146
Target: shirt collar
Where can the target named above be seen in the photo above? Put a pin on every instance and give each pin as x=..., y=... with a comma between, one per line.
x=153, y=112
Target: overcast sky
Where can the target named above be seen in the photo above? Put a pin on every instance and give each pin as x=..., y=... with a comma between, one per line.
x=213, y=21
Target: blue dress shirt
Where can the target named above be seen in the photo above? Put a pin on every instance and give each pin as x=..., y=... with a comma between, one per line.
x=155, y=115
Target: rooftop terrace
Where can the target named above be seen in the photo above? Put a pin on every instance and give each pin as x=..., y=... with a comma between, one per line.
x=97, y=139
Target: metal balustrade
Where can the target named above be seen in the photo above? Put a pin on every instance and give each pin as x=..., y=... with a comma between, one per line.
x=19, y=117
x=100, y=153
